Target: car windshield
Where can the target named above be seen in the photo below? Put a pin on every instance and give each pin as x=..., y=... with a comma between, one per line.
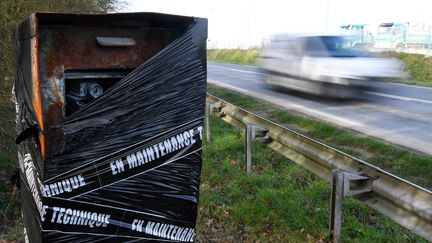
x=330, y=46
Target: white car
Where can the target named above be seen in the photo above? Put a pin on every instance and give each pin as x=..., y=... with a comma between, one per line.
x=324, y=65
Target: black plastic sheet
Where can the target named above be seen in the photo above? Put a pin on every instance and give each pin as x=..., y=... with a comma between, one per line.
x=126, y=166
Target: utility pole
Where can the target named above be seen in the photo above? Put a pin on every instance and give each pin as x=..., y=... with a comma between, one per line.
x=248, y=45
x=327, y=22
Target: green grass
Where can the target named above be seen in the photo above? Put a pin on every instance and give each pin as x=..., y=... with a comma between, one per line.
x=419, y=66
x=278, y=202
x=409, y=165
x=15, y=234
x=233, y=55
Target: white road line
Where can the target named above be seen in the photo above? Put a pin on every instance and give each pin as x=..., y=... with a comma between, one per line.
x=290, y=105
x=236, y=70
x=400, y=97
x=410, y=85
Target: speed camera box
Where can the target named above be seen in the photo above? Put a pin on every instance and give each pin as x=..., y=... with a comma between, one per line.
x=109, y=125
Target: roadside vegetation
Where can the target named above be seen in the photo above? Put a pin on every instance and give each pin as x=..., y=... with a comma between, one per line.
x=417, y=65
x=412, y=166
x=280, y=201
x=9, y=207
x=239, y=56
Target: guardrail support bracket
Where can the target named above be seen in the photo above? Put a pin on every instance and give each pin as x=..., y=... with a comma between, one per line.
x=209, y=109
x=253, y=133
x=344, y=184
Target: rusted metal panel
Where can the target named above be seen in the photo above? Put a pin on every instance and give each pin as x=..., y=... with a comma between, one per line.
x=61, y=42
x=76, y=47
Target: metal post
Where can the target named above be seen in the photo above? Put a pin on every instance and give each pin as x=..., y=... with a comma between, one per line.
x=344, y=184
x=249, y=139
x=207, y=120
x=253, y=132
x=336, y=206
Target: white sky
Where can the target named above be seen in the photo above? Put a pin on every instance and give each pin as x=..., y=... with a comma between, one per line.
x=244, y=23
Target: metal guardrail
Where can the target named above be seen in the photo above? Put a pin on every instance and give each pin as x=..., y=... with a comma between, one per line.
x=402, y=201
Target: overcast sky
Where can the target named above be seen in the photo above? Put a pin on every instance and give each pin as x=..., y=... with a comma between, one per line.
x=244, y=23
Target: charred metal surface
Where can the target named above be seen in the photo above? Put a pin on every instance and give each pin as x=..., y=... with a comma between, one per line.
x=75, y=47
x=64, y=42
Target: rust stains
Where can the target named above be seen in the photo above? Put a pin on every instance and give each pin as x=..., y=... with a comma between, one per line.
x=76, y=47
x=54, y=113
x=58, y=48
x=36, y=91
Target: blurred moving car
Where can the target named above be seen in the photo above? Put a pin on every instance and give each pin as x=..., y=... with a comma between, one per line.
x=324, y=65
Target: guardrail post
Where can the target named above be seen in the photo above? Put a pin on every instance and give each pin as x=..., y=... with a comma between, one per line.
x=249, y=148
x=207, y=121
x=336, y=206
x=253, y=132
x=344, y=184
x=209, y=109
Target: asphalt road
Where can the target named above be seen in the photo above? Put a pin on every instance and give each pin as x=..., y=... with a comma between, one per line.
x=399, y=114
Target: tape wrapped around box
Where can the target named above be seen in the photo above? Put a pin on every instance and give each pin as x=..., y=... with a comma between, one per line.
x=109, y=125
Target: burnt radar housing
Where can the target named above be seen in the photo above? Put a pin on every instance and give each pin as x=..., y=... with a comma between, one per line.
x=109, y=119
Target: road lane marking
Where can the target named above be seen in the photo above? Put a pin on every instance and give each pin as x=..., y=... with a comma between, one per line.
x=235, y=70
x=410, y=85
x=400, y=97
x=297, y=107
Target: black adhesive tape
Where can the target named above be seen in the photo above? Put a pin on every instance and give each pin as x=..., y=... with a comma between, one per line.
x=127, y=165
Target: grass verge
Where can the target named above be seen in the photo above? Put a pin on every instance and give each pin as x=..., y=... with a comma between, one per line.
x=419, y=66
x=280, y=201
x=233, y=55
x=409, y=165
